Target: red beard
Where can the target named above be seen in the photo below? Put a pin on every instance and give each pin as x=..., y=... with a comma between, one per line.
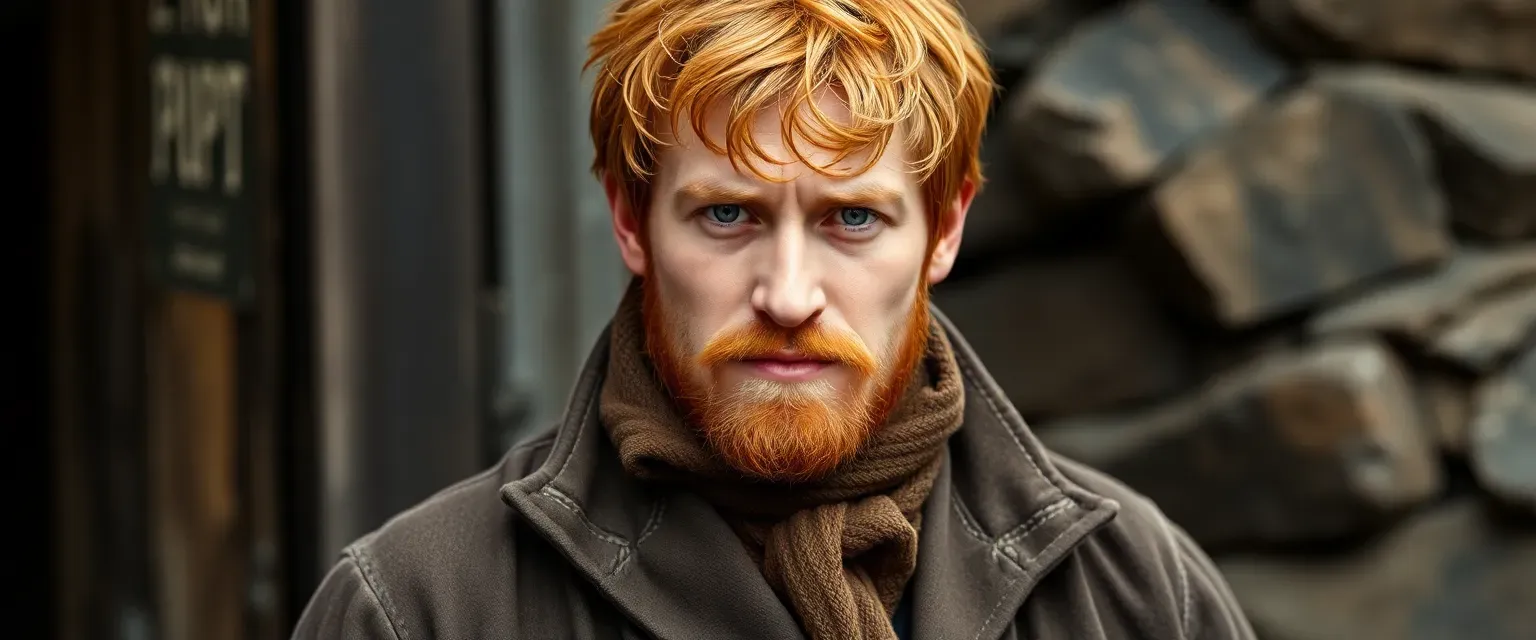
x=782, y=432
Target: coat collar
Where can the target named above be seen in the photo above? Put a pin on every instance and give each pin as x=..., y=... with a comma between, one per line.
x=1000, y=517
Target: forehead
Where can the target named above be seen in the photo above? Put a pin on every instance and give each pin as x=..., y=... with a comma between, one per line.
x=684, y=158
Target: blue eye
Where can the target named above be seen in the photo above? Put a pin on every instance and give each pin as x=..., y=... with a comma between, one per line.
x=855, y=216
x=724, y=213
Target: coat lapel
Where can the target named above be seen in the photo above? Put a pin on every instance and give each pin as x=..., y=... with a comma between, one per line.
x=665, y=558
x=1000, y=517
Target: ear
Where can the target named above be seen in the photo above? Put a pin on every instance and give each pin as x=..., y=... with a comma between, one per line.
x=628, y=226
x=952, y=225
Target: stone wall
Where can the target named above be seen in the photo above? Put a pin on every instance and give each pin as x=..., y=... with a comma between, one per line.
x=1273, y=263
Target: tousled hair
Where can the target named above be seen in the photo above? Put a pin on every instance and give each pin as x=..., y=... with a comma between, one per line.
x=914, y=64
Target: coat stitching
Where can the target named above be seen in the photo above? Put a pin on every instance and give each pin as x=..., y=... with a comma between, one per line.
x=1000, y=415
x=658, y=510
x=548, y=490
x=1183, y=575
x=392, y=615
x=570, y=505
x=581, y=430
x=965, y=516
x=1054, y=541
x=995, y=608
x=1044, y=515
x=1183, y=584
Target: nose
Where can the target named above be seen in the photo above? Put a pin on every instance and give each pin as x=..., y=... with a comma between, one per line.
x=788, y=290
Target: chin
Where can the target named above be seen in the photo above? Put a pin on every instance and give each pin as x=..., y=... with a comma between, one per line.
x=758, y=390
x=786, y=431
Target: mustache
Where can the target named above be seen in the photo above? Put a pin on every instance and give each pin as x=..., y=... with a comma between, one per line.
x=815, y=342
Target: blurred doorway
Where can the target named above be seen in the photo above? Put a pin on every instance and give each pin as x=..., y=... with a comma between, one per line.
x=165, y=302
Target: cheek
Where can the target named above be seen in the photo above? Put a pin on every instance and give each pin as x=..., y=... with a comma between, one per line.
x=898, y=312
x=700, y=291
x=879, y=302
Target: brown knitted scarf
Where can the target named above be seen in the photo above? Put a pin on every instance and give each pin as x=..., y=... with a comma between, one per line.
x=839, y=551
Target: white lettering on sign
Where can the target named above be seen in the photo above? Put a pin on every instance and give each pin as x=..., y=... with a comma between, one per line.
x=203, y=264
x=200, y=17
x=194, y=105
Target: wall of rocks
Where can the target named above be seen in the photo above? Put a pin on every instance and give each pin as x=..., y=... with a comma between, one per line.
x=1273, y=263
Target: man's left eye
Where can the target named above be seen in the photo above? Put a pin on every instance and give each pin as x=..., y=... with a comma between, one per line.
x=855, y=216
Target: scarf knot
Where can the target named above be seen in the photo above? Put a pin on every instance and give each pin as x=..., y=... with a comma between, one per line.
x=875, y=554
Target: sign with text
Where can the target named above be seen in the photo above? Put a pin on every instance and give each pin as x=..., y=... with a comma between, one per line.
x=202, y=140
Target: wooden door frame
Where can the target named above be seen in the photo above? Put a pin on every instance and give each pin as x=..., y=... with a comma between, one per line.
x=165, y=405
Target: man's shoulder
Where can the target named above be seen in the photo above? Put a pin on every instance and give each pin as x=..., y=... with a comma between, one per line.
x=462, y=545
x=466, y=522
x=1144, y=559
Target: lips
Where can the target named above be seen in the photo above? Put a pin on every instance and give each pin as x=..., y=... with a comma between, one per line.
x=787, y=368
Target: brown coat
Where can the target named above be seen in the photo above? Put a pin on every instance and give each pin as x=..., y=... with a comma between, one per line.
x=557, y=541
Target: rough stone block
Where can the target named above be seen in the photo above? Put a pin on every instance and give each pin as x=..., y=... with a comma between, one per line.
x=1488, y=335
x=1127, y=89
x=1294, y=448
x=1018, y=33
x=1307, y=197
x=1493, y=36
x=1449, y=573
x=1503, y=436
x=1474, y=310
x=1484, y=136
x=1445, y=399
x=1069, y=335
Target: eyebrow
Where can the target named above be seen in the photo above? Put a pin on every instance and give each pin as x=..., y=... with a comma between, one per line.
x=711, y=191
x=864, y=194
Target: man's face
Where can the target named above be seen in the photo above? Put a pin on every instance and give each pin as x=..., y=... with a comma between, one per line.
x=786, y=316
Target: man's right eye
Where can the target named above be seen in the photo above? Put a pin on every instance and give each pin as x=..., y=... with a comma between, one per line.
x=725, y=214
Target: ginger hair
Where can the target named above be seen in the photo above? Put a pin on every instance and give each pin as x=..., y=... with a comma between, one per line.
x=915, y=64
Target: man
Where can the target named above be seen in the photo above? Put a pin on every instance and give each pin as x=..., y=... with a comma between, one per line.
x=779, y=437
